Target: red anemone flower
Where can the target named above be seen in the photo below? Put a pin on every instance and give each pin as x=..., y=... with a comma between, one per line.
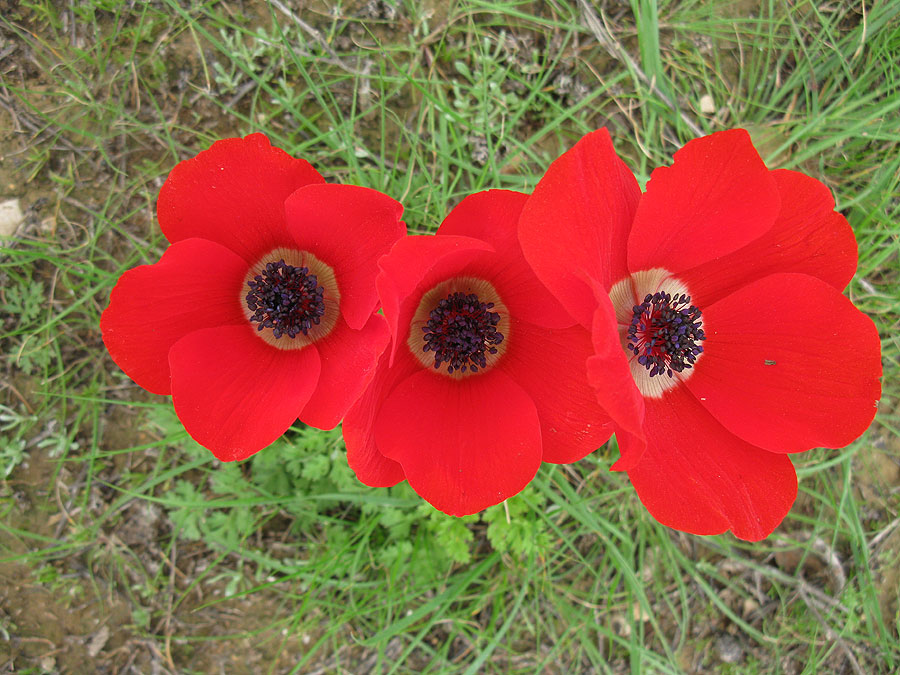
x=485, y=378
x=262, y=309
x=722, y=338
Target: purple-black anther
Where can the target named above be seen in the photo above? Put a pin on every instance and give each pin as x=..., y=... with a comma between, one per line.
x=461, y=332
x=664, y=333
x=286, y=299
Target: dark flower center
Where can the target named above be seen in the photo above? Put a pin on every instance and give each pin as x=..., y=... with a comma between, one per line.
x=665, y=333
x=286, y=299
x=461, y=332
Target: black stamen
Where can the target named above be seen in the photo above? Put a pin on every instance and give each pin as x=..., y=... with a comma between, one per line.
x=286, y=299
x=461, y=332
x=665, y=333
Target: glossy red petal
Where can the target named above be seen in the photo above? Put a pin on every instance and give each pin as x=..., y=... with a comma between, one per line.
x=233, y=193
x=493, y=216
x=809, y=237
x=715, y=198
x=363, y=455
x=464, y=444
x=234, y=393
x=550, y=366
x=575, y=225
x=414, y=262
x=608, y=373
x=696, y=476
x=348, y=360
x=196, y=284
x=789, y=364
x=349, y=228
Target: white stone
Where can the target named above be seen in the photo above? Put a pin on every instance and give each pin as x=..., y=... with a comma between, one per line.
x=707, y=105
x=11, y=217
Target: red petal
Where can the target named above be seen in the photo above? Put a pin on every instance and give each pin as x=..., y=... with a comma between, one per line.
x=493, y=216
x=575, y=226
x=550, y=366
x=196, y=284
x=697, y=477
x=464, y=444
x=808, y=237
x=716, y=197
x=348, y=228
x=789, y=364
x=370, y=466
x=233, y=193
x=608, y=373
x=348, y=364
x=234, y=393
x=419, y=261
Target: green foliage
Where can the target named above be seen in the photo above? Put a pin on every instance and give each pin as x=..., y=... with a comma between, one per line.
x=305, y=476
x=24, y=299
x=479, y=95
x=13, y=426
x=514, y=528
x=12, y=453
x=187, y=509
x=249, y=56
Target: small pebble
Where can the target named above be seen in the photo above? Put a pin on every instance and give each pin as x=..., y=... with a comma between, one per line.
x=10, y=217
x=729, y=649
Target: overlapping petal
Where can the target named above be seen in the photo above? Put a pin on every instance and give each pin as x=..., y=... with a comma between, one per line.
x=196, y=284
x=370, y=466
x=808, y=237
x=549, y=365
x=348, y=359
x=696, y=476
x=609, y=375
x=789, y=364
x=234, y=193
x=234, y=393
x=492, y=216
x=574, y=227
x=418, y=262
x=349, y=228
x=716, y=197
x=464, y=444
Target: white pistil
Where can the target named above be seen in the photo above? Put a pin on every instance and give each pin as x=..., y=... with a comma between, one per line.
x=625, y=295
